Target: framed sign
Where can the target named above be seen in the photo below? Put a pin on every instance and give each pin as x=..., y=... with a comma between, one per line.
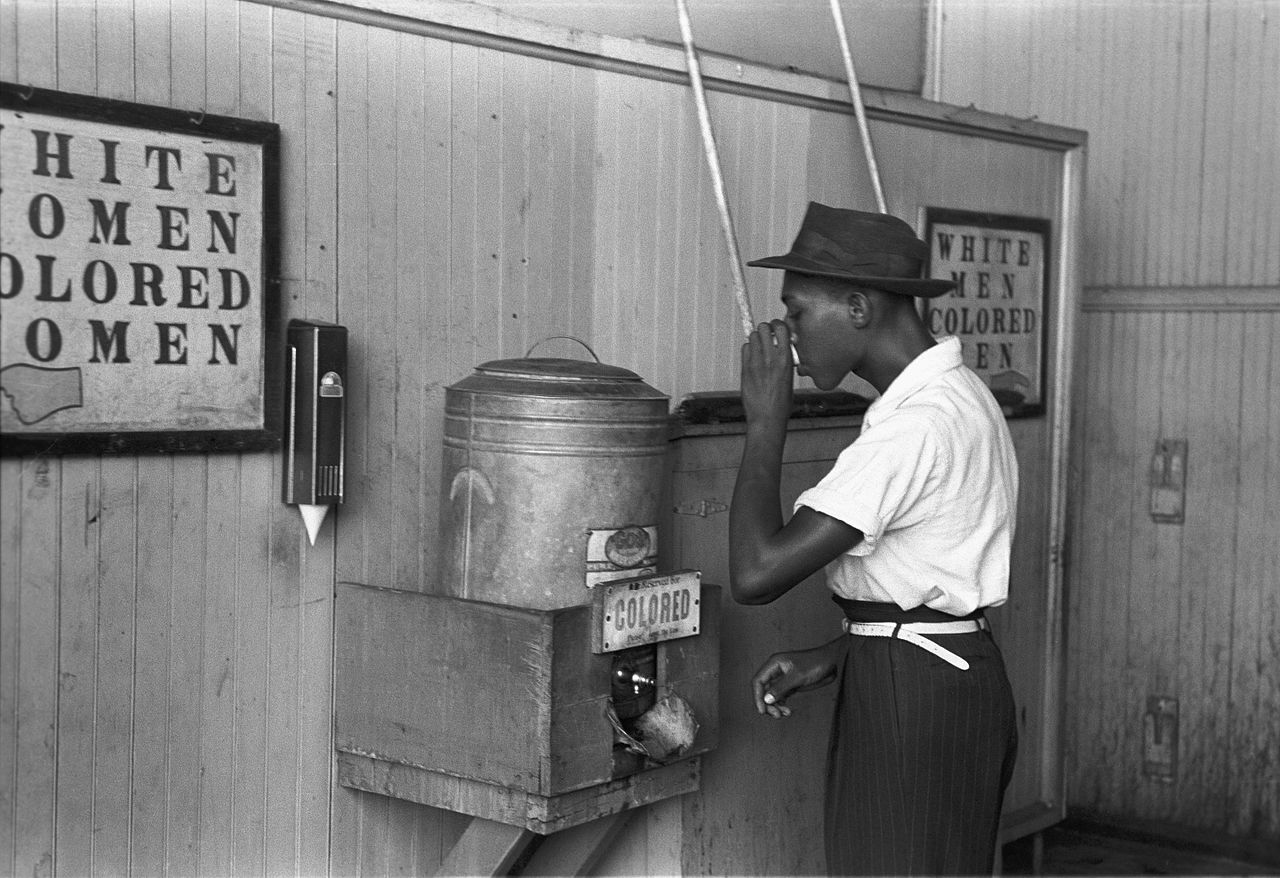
x=1001, y=268
x=139, y=301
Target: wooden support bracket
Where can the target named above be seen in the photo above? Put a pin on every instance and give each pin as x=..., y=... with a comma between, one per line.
x=486, y=848
x=576, y=850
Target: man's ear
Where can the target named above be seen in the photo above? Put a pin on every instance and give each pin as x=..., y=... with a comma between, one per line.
x=859, y=305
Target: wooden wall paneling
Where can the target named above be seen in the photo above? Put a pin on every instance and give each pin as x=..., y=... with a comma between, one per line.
x=115, y=37
x=645, y=237
x=193, y=515
x=720, y=325
x=1137, y=183
x=1244, y=806
x=1253, y=170
x=372, y=301
x=158, y=832
x=640, y=845
x=283, y=758
x=434, y=296
x=1079, y=494
x=187, y=65
x=11, y=520
x=1111, y=62
x=117, y=576
x=1157, y=582
x=517, y=88
x=35, y=727
x=1222, y=93
x=616, y=193
x=1112, y=604
x=549, y=265
x=9, y=42
x=1079, y=488
x=666, y=306
x=1113, y=34
x=1260, y=813
x=76, y=48
x=354, y=106
x=120, y=569
x=1207, y=563
x=152, y=59
x=489, y=188
x=256, y=41
x=1161, y=187
x=257, y=534
x=314, y=607
x=185, y=581
x=1265, y=261
x=1021, y=627
x=314, y=192
x=669, y=301
x=222, y=48
x=297, y=748
x=756, y=128
x=413, y=316
x=1090, y=543
x=35, y=30
x=75, y=638
x=963, y=39
x=254, y=768
x=1143, y=653
x=720, y=320
x=216, y=812
x=1188, y=107
x=1117, y=725
x=473, y=271
x=575, y=135
x=388, y=83
x=691, y=177
x=149, y=784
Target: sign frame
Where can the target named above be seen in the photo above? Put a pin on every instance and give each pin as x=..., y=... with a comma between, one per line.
x=259, y=426
x=1015, y=400
x=655, y=586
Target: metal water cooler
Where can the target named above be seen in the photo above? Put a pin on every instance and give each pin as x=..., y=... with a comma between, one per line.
x=558, y=674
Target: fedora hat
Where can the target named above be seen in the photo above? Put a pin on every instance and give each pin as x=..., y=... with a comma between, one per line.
x=873, y=249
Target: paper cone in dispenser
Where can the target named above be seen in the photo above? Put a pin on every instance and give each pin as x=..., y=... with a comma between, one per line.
x=551, y=480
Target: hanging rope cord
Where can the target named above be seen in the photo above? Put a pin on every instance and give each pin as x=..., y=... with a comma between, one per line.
x=713, y=157
x=713, y=161
x=859, y=111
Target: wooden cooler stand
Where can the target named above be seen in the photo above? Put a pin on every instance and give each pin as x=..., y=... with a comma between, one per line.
x=502, y=712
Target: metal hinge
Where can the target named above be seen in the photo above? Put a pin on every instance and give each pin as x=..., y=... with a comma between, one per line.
x=701, y=508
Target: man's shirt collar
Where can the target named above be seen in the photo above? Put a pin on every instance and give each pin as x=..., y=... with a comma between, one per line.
x=942, y=357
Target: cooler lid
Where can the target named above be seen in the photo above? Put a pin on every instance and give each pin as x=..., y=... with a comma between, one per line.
x=554, y=378
x=556, y=369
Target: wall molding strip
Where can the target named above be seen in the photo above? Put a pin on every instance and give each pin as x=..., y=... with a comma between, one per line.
x=485, y=27
x=1181, y=298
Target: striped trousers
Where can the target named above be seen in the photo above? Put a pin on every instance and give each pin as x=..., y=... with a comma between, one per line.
x=921, y=752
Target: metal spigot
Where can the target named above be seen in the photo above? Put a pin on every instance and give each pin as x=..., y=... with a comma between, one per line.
x=636, y=680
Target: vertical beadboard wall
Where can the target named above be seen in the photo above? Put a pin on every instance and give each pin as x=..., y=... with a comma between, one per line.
x=166, y=632
x=1182, y=307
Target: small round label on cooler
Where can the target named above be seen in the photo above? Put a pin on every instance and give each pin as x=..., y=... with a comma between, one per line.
x=628, y=547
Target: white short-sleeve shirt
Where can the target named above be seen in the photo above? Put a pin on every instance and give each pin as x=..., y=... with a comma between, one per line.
x=932, y=483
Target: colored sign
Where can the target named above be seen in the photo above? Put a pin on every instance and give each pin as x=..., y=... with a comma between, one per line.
x=647, y=609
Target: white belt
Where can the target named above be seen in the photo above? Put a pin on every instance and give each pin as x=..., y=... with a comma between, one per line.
x=913, y=633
